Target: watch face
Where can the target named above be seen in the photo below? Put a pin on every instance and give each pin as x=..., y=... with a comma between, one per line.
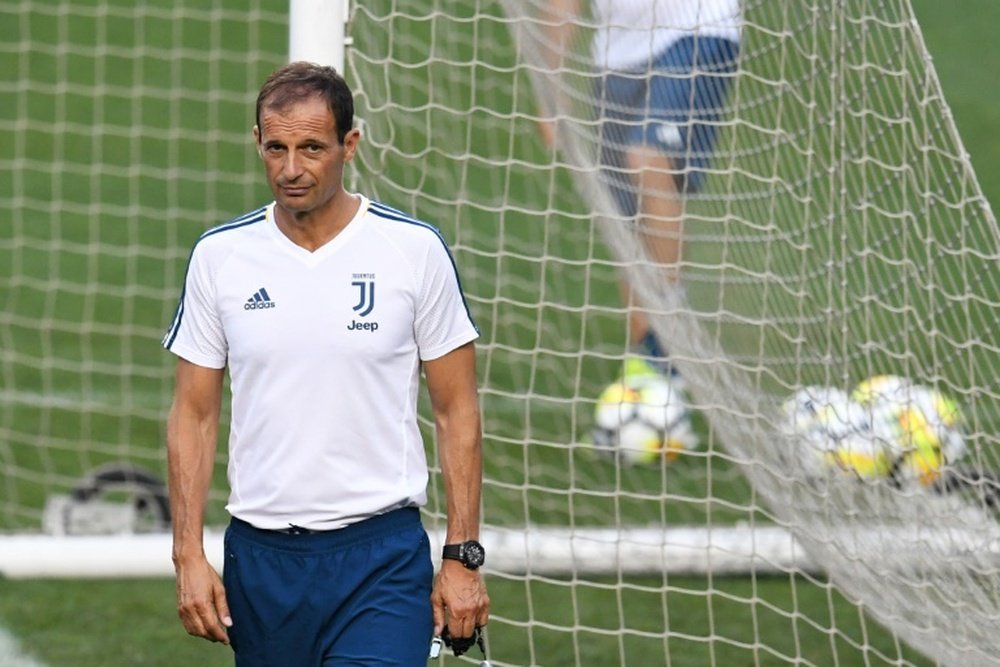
x=473, y=555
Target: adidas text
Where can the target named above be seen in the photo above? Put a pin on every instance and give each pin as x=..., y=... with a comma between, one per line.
x=362, y=326
x=259, y=300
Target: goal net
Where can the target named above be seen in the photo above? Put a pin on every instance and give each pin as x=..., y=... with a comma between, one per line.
x=840, y=234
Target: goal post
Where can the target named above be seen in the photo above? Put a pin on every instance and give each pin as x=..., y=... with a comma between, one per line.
x=542, y=551
x=841, y=233
x=317, y=31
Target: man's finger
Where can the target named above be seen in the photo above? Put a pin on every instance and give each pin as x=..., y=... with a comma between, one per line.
x=222, y=607
x=461, y=627
x=201, y=620
x=437, y=611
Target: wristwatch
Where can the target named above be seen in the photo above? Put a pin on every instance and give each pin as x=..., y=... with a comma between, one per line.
x=469, y=553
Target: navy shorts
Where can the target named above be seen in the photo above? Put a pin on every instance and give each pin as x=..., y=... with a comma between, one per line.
x=673, y=105
x=358, y=596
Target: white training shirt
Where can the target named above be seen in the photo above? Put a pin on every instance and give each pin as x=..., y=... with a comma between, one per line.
x=632, y=32
x=324, y=352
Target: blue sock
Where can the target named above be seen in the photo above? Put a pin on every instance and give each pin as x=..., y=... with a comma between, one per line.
x=651, y=345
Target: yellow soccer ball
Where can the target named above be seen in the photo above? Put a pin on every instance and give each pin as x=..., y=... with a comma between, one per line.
x=643, y=420
x=829, y=432
x=922, y=423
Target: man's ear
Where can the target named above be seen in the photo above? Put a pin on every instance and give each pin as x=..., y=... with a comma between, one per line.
x=256, y=141
x=351, y=141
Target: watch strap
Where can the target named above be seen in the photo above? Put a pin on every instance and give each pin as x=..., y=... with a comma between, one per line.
x=452, y=551
x=469, y=553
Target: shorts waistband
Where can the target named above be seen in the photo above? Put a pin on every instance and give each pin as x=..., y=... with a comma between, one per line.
x=293, y=539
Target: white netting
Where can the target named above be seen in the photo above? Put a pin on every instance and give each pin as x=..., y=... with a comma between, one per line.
x=841, y=235
x=127, y=132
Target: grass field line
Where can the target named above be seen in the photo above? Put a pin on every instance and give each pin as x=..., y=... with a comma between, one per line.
x=11, y=654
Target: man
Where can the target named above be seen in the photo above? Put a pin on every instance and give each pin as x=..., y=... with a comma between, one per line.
x=664, y=67
x=324, y=306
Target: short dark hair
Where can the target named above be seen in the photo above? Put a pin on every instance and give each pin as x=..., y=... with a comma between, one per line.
x=300, y=80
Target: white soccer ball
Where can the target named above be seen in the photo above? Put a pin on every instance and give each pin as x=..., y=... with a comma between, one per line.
x=818, y=412
x=643, y=420
x=882, y=389
x=924, y=425
x=830, y=432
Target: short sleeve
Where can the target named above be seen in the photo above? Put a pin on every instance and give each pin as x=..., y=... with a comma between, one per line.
x=443, y=321
x=196, y=333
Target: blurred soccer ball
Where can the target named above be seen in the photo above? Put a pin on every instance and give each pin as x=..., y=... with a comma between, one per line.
x=643, y=420
x=821, y=413
x=922, y=423
x=830, y=432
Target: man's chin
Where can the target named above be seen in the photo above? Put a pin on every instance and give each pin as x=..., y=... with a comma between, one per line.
x=294, y=204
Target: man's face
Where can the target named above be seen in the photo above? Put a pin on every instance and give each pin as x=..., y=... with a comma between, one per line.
x=302, y=157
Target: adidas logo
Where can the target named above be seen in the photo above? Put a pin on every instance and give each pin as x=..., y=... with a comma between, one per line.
x=259, y=300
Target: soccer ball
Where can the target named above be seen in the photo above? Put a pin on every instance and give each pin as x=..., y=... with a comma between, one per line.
x=810, y=426
x=923, y=424
x=880, y=389
x=862, y=454
x=820, y=414
x=831, y=432
x=643, y=420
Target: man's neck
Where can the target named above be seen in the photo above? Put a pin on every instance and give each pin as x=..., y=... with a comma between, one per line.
x=314, y=229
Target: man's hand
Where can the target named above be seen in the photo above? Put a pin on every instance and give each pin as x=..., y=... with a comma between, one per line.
x=460, y=598
x=201, y=601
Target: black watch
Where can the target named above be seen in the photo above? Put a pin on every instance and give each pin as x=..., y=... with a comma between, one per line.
x=470, y=554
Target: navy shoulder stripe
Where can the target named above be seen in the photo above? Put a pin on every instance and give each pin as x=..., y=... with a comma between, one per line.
x=389, y=213
x=242, y=221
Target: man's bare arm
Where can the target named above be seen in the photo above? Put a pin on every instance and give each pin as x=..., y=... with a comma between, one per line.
x=192, y=432
x=459, y=594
